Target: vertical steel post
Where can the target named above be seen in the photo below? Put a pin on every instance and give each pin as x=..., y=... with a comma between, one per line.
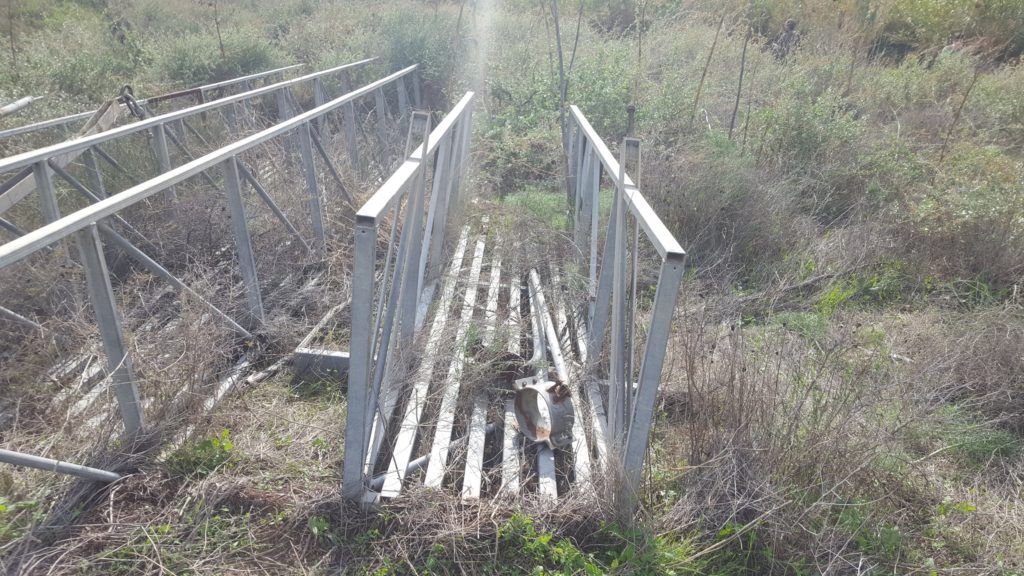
x=47, y=195
x=616, y=376
x=599, y=317
x=231, y=120
x=319, y=98
x=243, y=243
x=350, y=124
x=418, y=127
x=319, y=95
x=312, y=188
x=593, y=191
x=403, y=98
x=284, y=111
x=380, y=108
x=430, y=251
x=670, y=277
x=92, y=168
x=163, y=157
x=119, y=364
x=416, y=87
x=360, y=362
x=180, y=129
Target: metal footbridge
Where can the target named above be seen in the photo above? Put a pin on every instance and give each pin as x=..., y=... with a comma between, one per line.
x=472, y=365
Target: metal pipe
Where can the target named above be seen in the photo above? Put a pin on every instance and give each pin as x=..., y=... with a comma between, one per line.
x=12, y=315
x=548, y=326
x=537, y=332
x=50, y=465
x=17, y=105
x=7, y=225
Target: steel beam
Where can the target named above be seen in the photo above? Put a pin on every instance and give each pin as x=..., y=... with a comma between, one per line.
x=243, y=242
x=316, y=213
x=56, y=466
x=119, y=363
x=22, y=247
x=163, y=156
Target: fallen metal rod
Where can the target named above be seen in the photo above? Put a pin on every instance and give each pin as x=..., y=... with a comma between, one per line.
x=378, y=482
x=11, y=314
x=537, y=332
x=40, y=463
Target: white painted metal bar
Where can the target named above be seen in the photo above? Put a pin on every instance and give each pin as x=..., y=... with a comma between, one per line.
x=547, y=484
x=515, y=290
x=510, y=453
x=446, y=418
x=491, y=309
x=410, y=425
x=472, y=480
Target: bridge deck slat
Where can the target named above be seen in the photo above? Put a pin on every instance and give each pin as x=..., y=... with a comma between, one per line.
x=418, y=395
x=446, y=419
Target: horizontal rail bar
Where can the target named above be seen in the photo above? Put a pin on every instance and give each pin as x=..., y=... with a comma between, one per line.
x=85, y=115
x=389, y=191
x=20, y=248
x=50, y=465
x=32, y=156
x=663, y=240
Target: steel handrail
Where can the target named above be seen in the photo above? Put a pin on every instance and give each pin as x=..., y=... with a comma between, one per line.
x=86, y=115
x=663, y=240
x=47, y=152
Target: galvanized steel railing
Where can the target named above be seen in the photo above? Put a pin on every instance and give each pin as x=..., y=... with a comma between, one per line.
x=399, y=239
x=34, y=170
x=86, y=226
x=612, y=279
x=199, y=92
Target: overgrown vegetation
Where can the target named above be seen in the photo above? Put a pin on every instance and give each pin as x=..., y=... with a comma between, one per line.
x=845, y=385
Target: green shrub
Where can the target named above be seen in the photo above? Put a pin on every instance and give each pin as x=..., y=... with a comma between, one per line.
x=971, y=221
x=204, y=457
x=196, y=59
